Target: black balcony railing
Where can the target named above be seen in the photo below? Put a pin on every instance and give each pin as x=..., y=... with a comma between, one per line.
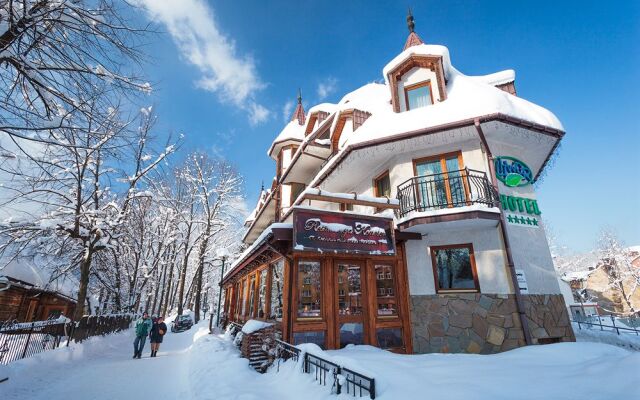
x=460, y=188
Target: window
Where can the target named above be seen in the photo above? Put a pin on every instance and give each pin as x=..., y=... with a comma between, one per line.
x=382, y=185
x=341, y=292
x=307, y=281
x=309, y=299
x=389, y=338
x=262, y=293
x=385, y=287
x=296, y=189
x=454, y=268
x=309, y=337
x=277, y=281
x=252, y=293
x=242, y=297
x=351, y=333
x=418, y=95
x=352, y=304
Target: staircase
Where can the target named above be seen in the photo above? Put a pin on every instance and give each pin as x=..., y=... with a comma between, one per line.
x=255, y=347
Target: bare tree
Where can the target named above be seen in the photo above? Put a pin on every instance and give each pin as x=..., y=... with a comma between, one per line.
x=623, y=276
x=51, y=50
x=80, y=215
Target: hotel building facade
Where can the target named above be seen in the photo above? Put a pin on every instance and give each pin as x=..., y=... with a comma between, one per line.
x=405, y=217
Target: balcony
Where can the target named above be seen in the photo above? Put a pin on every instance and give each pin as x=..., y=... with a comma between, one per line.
x=451, y=189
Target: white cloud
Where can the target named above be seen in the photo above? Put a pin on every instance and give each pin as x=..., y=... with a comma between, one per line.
x=257, y=113
x=326, y=87
x=286, y=110
x=231, y=76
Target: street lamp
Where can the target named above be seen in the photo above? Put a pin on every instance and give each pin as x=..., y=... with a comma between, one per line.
x=222, y=254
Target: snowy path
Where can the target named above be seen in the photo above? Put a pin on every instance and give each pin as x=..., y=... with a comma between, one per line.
x=103, y=369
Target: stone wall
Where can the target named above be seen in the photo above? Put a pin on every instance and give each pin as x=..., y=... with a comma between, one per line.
x=548, y=317
x=483, y=323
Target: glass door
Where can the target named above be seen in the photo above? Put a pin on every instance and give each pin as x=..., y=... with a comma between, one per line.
x=440, y=183
x=351, y=305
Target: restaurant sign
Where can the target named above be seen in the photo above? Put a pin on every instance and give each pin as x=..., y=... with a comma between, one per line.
x=342, y=233
x=513, y=172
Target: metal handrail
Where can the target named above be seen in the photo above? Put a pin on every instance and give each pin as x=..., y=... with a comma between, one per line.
x=458, y=188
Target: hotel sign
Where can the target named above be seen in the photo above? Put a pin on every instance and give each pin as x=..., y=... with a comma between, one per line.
x=512, y=172
x=342, y=233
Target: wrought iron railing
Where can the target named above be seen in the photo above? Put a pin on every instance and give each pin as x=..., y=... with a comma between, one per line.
x=597, y=321
x=459, y=188
x=341, y=379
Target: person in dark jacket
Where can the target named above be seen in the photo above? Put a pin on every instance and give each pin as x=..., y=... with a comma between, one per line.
x=143, y=325
x=158, y=330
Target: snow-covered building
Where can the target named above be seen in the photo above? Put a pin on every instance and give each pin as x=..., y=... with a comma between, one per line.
x=404, y=217
x=32, y=294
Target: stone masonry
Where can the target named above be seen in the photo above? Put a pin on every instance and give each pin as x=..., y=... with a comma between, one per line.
x=483, y=323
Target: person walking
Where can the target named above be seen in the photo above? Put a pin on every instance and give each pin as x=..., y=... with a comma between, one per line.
x=143, y=326
x=158, y=330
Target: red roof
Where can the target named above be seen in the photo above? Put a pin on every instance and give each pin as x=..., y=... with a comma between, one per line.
x=412, y=40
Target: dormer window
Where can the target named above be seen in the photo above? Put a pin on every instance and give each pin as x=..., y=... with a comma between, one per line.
x=418, y=95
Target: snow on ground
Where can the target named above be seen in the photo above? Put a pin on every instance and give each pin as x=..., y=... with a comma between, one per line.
x=196, y=365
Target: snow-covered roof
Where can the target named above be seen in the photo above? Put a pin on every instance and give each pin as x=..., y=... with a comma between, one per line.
x=25, y=270
x=293, y=131
x=326, y=107
x=576, y=275
x=497, y=78
x=264, y=195
x=259, y=241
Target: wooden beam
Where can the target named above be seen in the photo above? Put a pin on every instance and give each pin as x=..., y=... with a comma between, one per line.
x=403, y=235
x=355, y=201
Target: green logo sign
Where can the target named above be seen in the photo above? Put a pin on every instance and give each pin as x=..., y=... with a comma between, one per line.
x=513, y=172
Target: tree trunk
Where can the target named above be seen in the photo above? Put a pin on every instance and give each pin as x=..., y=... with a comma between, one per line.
x=85, y=268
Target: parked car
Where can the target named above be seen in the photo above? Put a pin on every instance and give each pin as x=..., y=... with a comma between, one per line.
x=181, y=323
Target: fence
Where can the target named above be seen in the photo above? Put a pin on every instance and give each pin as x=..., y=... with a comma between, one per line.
x=22, y=340
x=94, y=325
x=325, y=372
x=626, y=326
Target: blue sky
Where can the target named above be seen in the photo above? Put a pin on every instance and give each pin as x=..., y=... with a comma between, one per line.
x=226, y=73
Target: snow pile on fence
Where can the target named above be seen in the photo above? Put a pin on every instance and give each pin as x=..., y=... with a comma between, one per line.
x=626, y=340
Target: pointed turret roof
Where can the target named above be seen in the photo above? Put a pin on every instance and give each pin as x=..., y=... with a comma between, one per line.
x=413, y=39
x=299, y=112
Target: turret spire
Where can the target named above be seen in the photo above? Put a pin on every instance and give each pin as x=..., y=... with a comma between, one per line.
x=413, y=39
x=299, y=111
x=410, y=24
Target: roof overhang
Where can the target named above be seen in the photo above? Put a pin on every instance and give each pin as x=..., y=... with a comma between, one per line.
x=262, y=220
x=309, y=158
x=390, y=145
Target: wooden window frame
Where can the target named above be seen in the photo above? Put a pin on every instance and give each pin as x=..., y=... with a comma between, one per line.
x=443, y=165
x=378, y=178
x=297, y=290
x=414, y=86
x=375, y=186
x=472, y=260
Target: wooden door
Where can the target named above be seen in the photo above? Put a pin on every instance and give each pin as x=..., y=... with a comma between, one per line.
x=351, y=305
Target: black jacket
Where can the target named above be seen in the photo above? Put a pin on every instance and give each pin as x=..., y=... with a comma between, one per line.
x=156, y=335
